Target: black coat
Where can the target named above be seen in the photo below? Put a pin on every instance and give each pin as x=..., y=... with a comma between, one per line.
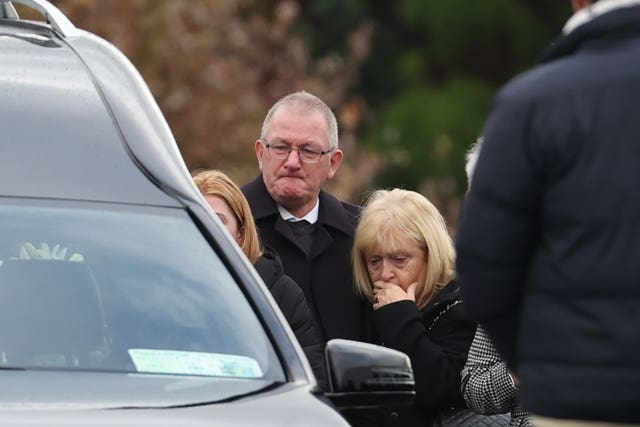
x=293, y=305
x=325, y=276
x=437, y=340
x=550, y=230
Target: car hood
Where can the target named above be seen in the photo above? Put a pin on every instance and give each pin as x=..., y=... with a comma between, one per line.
x=25, y=403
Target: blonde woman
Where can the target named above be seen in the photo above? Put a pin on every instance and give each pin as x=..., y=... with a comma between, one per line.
x=228, y=202
x=403, y=259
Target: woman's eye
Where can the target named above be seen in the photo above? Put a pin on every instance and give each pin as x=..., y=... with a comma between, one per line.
x=375, y=261
x=400, y=259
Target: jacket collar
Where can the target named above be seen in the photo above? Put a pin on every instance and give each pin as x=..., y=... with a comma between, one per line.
x=333, y=214
x=587, y=14
x=262, y=205
x=448, y=293
x=624, y=18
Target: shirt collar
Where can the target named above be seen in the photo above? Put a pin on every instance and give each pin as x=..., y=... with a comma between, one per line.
x=585, y=15
x=312, y=216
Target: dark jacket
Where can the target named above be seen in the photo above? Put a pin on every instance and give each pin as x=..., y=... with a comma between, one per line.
x=437, y=340
x=325, y=275
x=293, y=305
x=550, y=230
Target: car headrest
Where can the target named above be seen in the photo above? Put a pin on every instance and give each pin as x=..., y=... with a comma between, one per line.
x=49, y=308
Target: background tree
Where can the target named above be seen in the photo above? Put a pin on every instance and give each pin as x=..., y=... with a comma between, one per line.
x=427, y=83
x=411, y=80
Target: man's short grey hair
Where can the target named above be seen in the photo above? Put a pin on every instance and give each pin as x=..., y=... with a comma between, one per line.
x=472, y=159
x=307, y=103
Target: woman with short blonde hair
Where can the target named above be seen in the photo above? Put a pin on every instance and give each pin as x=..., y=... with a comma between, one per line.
x=403, y=262
x=396, y=213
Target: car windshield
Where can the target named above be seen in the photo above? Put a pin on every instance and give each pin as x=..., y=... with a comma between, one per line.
x=122, y=289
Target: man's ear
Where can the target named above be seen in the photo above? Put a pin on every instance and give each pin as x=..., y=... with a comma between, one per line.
x=259, y=147
x=336, y=160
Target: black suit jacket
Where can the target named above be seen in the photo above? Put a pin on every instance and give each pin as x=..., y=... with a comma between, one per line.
x=325, y=275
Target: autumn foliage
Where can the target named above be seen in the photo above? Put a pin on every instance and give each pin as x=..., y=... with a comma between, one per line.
x=216, y=66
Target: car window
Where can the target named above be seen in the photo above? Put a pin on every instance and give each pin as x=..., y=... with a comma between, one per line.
x=122, y=289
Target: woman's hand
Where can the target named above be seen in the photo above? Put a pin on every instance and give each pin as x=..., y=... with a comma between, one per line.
x=386, y=293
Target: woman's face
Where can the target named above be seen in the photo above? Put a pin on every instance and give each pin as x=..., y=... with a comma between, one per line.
x=224, y=212
x=401, y=262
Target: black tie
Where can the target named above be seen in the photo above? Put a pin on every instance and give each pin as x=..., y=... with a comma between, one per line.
x=303, y=230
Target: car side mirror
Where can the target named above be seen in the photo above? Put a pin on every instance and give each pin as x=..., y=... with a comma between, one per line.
x=364, y=375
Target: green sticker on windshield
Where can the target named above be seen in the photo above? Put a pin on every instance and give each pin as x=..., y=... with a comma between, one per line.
x=194, y=363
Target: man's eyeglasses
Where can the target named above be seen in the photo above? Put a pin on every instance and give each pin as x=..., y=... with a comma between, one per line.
x=281, y=151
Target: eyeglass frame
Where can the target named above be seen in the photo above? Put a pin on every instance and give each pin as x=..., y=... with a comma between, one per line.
x=307, y=150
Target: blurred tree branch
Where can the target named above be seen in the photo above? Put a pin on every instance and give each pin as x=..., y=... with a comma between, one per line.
x=410, y=80
x=216, y=66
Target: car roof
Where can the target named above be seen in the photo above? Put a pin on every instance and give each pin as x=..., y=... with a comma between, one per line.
x=78, y=122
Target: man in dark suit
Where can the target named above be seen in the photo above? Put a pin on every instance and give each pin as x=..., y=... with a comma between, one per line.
x=310, y=229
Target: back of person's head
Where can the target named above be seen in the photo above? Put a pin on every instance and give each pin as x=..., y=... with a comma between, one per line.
x=304, y=102
x=218, y=184
x=392, y=215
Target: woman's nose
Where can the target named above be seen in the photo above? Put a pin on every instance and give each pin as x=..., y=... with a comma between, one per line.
x=387, y=270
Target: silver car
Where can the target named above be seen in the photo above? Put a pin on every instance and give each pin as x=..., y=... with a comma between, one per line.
x=122, y=300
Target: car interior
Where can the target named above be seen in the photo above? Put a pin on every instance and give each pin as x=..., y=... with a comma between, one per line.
x=41, y=336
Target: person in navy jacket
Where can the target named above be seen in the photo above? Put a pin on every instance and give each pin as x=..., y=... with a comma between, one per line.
x=550, y=232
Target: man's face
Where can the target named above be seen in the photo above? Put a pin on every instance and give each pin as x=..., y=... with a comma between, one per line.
x=291, y=182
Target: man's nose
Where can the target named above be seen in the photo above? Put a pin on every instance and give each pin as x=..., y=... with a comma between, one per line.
x=293, y=159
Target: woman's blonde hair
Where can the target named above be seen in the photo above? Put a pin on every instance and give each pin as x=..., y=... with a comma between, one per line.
x=217, y=183
x=391, y=215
